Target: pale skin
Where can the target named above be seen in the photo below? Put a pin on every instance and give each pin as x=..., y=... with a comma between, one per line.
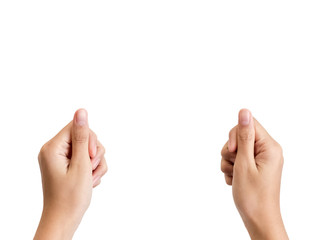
x=252, y=164
x=71, y=164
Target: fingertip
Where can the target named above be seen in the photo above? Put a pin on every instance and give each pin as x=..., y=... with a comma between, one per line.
x=92, y=150
x=245, y=129
x=95, y=163
x=96, y=181
x=81, y=117
x=244, y=117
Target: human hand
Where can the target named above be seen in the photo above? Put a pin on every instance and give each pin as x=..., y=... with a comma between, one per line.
x=252, y=163
x=71, y=164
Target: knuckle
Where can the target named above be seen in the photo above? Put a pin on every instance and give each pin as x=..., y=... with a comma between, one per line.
x=95, y=135
x=233, y=157
x=45, y=152
x=226, y=167
x=45, y=149
x=104, y=169
x=276, y=147
x=80, y=137
x=246, y=136
x=222, y=166
x=242, y=168
x=102, y=150
x=230, y=133
x=223, y=150
x=277, y=151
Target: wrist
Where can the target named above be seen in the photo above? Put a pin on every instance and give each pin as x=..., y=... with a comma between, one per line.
x=56, y=224
x=266, y=225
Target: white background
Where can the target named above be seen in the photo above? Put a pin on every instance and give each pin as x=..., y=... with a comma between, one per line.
x=163, y=82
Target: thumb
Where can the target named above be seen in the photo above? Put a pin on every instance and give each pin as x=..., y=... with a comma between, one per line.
x=80, y=138
x=245, y=136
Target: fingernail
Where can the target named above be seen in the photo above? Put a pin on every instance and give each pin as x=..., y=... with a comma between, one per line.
x=81, y=117
x=244, y=117
x=95, y=163
x=95, y=180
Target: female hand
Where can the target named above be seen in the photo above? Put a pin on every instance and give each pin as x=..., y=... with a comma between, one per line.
x=252, y=163
x=71, y=164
